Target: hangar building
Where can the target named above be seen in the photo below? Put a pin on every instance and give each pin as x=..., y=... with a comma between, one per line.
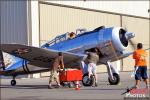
x=36, y=22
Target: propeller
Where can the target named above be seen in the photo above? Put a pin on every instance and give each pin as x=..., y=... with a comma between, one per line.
x=131, y=41
x=132, y=44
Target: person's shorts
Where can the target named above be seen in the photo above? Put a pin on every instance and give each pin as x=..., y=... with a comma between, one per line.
x=141, y=73
x=92, y=68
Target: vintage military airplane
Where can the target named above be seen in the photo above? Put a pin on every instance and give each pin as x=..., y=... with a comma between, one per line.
x=111, y=42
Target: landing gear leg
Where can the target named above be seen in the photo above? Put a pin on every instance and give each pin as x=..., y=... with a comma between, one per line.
x=13, y=81
x=113, y=74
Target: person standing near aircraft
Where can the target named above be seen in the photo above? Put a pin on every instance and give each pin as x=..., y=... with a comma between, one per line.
x=140, y=65
x=57, y=65
x=92, y=60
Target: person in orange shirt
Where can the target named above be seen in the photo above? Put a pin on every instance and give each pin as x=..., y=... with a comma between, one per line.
x=140, y=65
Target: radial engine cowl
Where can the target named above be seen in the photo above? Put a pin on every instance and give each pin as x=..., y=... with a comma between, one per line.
x=120, y=38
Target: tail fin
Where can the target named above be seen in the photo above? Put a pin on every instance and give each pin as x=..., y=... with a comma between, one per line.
x=2, y=64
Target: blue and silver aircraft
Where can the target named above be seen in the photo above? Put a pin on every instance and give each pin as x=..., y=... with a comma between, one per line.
x=17, y=59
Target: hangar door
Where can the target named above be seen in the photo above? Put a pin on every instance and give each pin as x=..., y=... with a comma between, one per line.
x=13, y=22
x=140, y=27
x=55, y=20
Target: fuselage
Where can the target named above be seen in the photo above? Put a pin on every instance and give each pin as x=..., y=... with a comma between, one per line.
x=111, y=42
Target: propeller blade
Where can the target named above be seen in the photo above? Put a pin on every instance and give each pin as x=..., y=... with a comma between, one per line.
x=132, y=44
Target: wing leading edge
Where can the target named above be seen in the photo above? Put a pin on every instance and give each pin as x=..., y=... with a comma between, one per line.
x=125, y=55
x=39, y=56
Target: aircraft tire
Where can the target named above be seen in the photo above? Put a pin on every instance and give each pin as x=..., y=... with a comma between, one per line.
x=116, y=79
x=85, y=81
x=13, y=82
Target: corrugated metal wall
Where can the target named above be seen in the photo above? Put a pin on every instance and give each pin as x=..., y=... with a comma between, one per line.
x=55, y=20
x=142, y=33
x=13, y=16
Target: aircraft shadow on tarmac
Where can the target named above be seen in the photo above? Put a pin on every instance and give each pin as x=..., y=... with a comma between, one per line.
x=46, y=87
x=26, y=86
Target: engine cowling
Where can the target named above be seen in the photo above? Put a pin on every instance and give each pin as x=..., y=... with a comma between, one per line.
x=120, y=38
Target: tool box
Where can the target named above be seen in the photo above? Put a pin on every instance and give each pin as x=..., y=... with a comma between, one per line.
x=70, y=75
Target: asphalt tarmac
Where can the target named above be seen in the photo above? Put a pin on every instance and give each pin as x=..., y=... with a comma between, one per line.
x=37, y=89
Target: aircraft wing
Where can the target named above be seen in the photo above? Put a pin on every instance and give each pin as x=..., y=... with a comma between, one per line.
x=41, y=57
x=130, y=53
x=125, y=55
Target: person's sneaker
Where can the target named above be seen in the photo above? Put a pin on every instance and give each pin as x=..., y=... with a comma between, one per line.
x=134, y=87
x=96, y=85
x=50, y=87
x=58, y=86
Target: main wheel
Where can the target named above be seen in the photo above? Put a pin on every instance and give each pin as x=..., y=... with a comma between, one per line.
x=116, y=79
x=13, y=82
x=86, y=81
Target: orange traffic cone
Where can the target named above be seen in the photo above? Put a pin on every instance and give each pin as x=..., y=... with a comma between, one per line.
x=77, y=85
